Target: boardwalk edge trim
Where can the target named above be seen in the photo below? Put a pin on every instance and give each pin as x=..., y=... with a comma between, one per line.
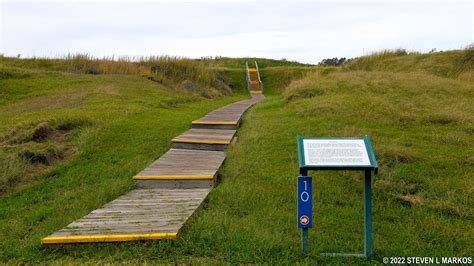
x=214, y=123
x=104, y=238
x=155, y=177
x=201, y=141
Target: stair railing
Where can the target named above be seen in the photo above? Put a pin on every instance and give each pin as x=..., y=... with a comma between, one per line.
x=247, y=73
x=258, y=75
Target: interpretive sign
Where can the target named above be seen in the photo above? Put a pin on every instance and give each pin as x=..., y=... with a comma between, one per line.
x=335, y=154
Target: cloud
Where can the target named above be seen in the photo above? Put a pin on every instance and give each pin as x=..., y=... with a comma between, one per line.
x=304, y=31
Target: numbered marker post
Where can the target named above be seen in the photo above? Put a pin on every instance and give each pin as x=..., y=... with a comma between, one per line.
x=305, y=208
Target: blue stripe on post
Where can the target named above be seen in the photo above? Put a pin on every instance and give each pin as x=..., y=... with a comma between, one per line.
x=305, y=201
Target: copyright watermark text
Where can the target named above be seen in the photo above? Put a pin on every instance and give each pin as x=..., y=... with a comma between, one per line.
x=427, y=260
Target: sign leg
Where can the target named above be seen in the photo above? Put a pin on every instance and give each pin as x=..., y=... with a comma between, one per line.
x=304, y=240
x=368, y=214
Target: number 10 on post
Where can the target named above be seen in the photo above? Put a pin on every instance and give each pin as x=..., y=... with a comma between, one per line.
x=305, y=201
x=305, y=208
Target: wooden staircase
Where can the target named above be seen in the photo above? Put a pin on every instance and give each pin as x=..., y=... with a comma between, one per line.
x=254, y=83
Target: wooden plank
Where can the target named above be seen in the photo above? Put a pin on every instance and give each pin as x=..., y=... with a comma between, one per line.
x=204, y=139
x=137, y=215
x=199, y=146
x=175, y=183
x=178, y=165
x=218, y=136
x=228, y=114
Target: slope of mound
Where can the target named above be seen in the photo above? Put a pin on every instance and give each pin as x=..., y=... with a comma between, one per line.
x=444, y=64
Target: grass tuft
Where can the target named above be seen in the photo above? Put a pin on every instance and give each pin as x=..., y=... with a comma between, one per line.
x=32, y=148
x=42, y=154
x=452, y=139
x=391, y=156
x=11, y=170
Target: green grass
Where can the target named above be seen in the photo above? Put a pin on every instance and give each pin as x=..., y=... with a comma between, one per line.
x=275, y=79
x=43, y=109
x=445, y=64
x=70, y=140
x=420, y=124
x=421, y=127
x=179, y=72
x=229, y=62
x=100, y=172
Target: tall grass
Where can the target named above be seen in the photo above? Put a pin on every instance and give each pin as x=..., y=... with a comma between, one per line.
x=180, y=68
x=451, y=64
x=88, y=64
x=367, y=62
x=173, y=71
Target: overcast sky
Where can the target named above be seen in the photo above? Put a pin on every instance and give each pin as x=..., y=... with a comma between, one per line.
x=304, y=31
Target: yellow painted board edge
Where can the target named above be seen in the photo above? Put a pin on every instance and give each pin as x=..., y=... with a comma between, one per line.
x=256, y=92
x=214, y=123
x=104, y=238
x=197, y=177
x=200, y=141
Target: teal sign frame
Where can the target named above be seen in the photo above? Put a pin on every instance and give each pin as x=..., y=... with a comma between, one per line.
x=367, y=195
x=373, y=162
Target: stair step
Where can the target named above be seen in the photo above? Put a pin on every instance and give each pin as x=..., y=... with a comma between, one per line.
x=150, y=214
x=204, y=139
x=181, y=168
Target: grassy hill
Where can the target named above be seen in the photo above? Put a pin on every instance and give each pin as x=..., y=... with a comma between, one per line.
x=46, y=105
x=110, y=126
x=421, y=125
x=229, y=62
x=458, y=63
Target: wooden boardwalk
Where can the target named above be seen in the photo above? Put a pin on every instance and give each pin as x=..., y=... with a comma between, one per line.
x=168, y=191
x=227, y=117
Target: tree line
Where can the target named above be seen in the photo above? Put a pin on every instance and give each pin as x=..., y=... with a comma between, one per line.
x=334, y=61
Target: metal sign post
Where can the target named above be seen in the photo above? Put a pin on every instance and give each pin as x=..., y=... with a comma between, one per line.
x=334, y=154
x=368, y=214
